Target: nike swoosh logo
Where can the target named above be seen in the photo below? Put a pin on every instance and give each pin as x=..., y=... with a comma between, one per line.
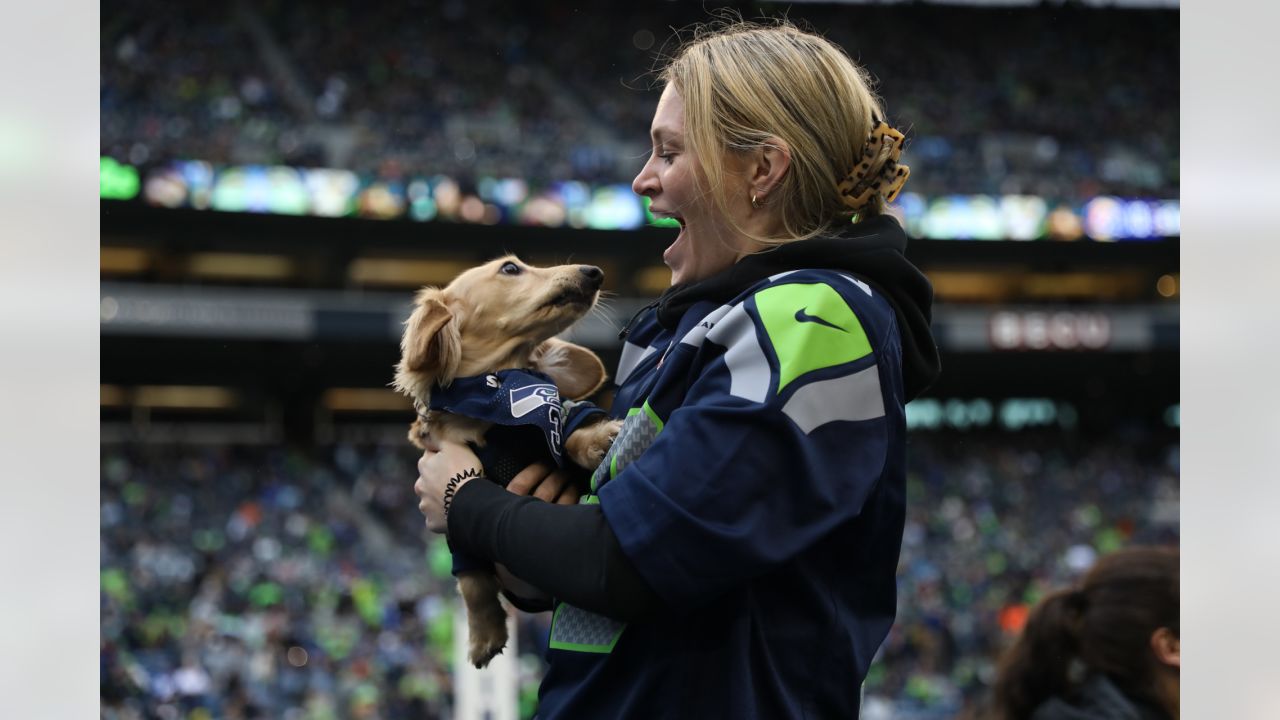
x=802, y=316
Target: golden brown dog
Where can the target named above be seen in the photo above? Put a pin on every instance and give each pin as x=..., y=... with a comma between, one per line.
x=501, y=315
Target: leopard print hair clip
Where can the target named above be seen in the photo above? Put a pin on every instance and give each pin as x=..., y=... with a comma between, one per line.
x=878, y=171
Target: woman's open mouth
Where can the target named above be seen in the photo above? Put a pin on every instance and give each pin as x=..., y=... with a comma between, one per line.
x=672, y=253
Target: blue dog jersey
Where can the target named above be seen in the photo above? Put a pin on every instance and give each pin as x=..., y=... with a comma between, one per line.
x=758, y=487
x=530, y=424
x=514, y=398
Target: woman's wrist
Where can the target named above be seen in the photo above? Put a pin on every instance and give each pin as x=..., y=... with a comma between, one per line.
x=451, y=487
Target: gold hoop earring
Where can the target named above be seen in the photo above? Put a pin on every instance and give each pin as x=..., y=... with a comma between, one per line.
x=754, y=204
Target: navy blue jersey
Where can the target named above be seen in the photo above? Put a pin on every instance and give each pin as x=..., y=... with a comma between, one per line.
x=530, y=424
x=758, y=487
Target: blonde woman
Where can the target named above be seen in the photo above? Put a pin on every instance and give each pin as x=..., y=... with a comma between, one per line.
x=734, y=556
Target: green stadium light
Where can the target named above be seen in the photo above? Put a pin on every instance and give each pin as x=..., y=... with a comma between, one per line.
x=116, y=180
x=655, y=221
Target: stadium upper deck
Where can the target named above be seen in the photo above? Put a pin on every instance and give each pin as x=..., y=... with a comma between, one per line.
x=1059, y=102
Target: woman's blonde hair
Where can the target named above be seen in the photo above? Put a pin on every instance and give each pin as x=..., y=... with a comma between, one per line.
x=743, y=83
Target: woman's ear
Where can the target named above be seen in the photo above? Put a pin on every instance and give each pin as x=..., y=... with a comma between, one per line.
x=576, y=370
x=771, y=163
x=1167, y=648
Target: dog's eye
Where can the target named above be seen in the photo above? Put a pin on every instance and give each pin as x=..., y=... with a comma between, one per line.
x=510, y=269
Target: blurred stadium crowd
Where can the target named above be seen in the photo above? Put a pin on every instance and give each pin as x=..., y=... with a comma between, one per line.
x=1061, y=102
x=243, y=582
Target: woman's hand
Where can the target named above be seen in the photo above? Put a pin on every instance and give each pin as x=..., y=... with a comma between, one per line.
x=545, y=483
x=444, y=460
x=435, y=468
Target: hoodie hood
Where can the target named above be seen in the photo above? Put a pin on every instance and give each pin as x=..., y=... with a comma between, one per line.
x=871, y=250
x=1097, y=698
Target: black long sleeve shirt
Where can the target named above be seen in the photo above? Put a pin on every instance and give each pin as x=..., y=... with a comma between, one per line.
x=568, y=551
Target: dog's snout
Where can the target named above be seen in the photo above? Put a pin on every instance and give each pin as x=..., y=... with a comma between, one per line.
x=592, y=273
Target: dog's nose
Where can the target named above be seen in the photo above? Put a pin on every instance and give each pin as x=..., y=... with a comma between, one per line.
x=593, y=273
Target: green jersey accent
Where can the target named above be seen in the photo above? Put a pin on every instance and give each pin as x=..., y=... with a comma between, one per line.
x=639, y=429
x=573, y=628
x=810, y=327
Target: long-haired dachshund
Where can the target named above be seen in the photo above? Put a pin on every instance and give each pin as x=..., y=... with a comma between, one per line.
x=485, y=341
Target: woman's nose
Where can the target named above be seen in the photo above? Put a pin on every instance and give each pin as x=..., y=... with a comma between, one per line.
x=646, y=183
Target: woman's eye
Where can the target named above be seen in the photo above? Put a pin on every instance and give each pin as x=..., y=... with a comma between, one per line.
x=510, y=269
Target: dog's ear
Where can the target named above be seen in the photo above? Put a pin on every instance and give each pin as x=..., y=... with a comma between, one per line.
x=432, y=344
x=576, y=370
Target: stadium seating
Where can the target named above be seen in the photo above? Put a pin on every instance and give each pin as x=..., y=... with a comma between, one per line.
x=252, y=582
x=1061, y=102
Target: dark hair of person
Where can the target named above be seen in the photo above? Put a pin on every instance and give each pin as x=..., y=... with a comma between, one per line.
x=1103, y=625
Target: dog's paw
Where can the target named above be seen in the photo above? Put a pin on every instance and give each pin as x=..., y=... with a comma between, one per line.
x=486, y=617
x=487, y=642
x=418, y=434
x=587, y=446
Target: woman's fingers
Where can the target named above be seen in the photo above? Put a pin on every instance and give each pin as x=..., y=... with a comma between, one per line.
x=550, y=487
x=420, y=485
x=528, y=479
x=569, y=495
x=422, y=461
x=540, y=480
